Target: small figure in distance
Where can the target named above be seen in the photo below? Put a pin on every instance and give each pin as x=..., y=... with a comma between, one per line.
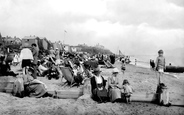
x=152, y=63
x=123, y=66
x=135, y=61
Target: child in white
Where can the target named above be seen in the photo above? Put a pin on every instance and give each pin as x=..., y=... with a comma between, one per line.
x=126, y=90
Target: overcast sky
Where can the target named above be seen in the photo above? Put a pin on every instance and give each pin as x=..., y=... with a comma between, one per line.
x=133, y=26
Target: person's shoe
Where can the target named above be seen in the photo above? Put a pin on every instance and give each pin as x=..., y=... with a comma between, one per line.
x=15, y=74
x=55, y=95
x=168, y=105
x=126, y=100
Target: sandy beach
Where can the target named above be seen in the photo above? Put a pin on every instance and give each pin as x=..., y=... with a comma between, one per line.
x=143, y=80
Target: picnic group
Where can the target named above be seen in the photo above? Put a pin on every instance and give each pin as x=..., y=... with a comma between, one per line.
x=74, y=68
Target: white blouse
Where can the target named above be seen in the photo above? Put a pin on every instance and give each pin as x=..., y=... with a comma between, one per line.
x=98, y=79
x=26, y=54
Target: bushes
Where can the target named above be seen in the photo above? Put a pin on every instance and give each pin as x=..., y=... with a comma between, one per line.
x=94, y=50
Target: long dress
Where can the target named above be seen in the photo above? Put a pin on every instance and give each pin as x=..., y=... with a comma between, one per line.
x=114, y=92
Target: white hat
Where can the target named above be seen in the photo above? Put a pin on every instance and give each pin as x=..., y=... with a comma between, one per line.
x=56, y=48
x=115, y=70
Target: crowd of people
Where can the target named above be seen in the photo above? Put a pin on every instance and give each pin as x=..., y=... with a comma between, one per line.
x=79, y=66
x=74, y=68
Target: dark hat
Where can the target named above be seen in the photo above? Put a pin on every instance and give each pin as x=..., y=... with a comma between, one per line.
x=97, y=70
x=160, y=51
x=2, y=58
x=125, y=82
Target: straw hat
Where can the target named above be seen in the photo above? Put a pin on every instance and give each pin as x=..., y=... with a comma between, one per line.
x=115, y=70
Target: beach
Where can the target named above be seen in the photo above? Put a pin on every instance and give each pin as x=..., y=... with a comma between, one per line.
x=143, y=80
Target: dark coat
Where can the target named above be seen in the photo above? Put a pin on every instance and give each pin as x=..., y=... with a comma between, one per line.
x=94, y=85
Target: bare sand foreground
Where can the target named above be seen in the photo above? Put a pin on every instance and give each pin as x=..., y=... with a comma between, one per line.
x=142, y=80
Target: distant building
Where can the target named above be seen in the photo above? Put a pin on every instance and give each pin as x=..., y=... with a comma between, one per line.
x=17, y=40
x=8, y=40
x=82, y=44
x=43, y=42
x=58, y=45
x=67, y=47
x=78, y=48
x=100, y=46
x=29, y=40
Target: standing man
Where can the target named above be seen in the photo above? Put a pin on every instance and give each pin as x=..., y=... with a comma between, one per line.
x=35, y=61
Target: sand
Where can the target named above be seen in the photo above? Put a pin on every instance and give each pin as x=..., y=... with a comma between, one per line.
x=142, y=80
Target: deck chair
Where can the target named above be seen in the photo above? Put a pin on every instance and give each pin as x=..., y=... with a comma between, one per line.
x=108, y=64
x=68, y=75
x=71, y=63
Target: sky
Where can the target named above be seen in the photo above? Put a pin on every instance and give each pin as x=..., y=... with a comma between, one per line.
x=132, y=26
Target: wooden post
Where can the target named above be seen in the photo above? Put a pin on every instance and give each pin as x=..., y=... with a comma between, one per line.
x=163, y=97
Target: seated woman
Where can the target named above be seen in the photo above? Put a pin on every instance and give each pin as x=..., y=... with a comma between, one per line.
x=113, y=86
x=41, y=67
x=98, y=90
x=26, y=85
x=46, y=66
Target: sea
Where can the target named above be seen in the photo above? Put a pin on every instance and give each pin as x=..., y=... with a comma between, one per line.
x=144, y=60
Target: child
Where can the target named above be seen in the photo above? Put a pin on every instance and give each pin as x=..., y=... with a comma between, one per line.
x=152, y=64
x=126, y=90
x=160, y=63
